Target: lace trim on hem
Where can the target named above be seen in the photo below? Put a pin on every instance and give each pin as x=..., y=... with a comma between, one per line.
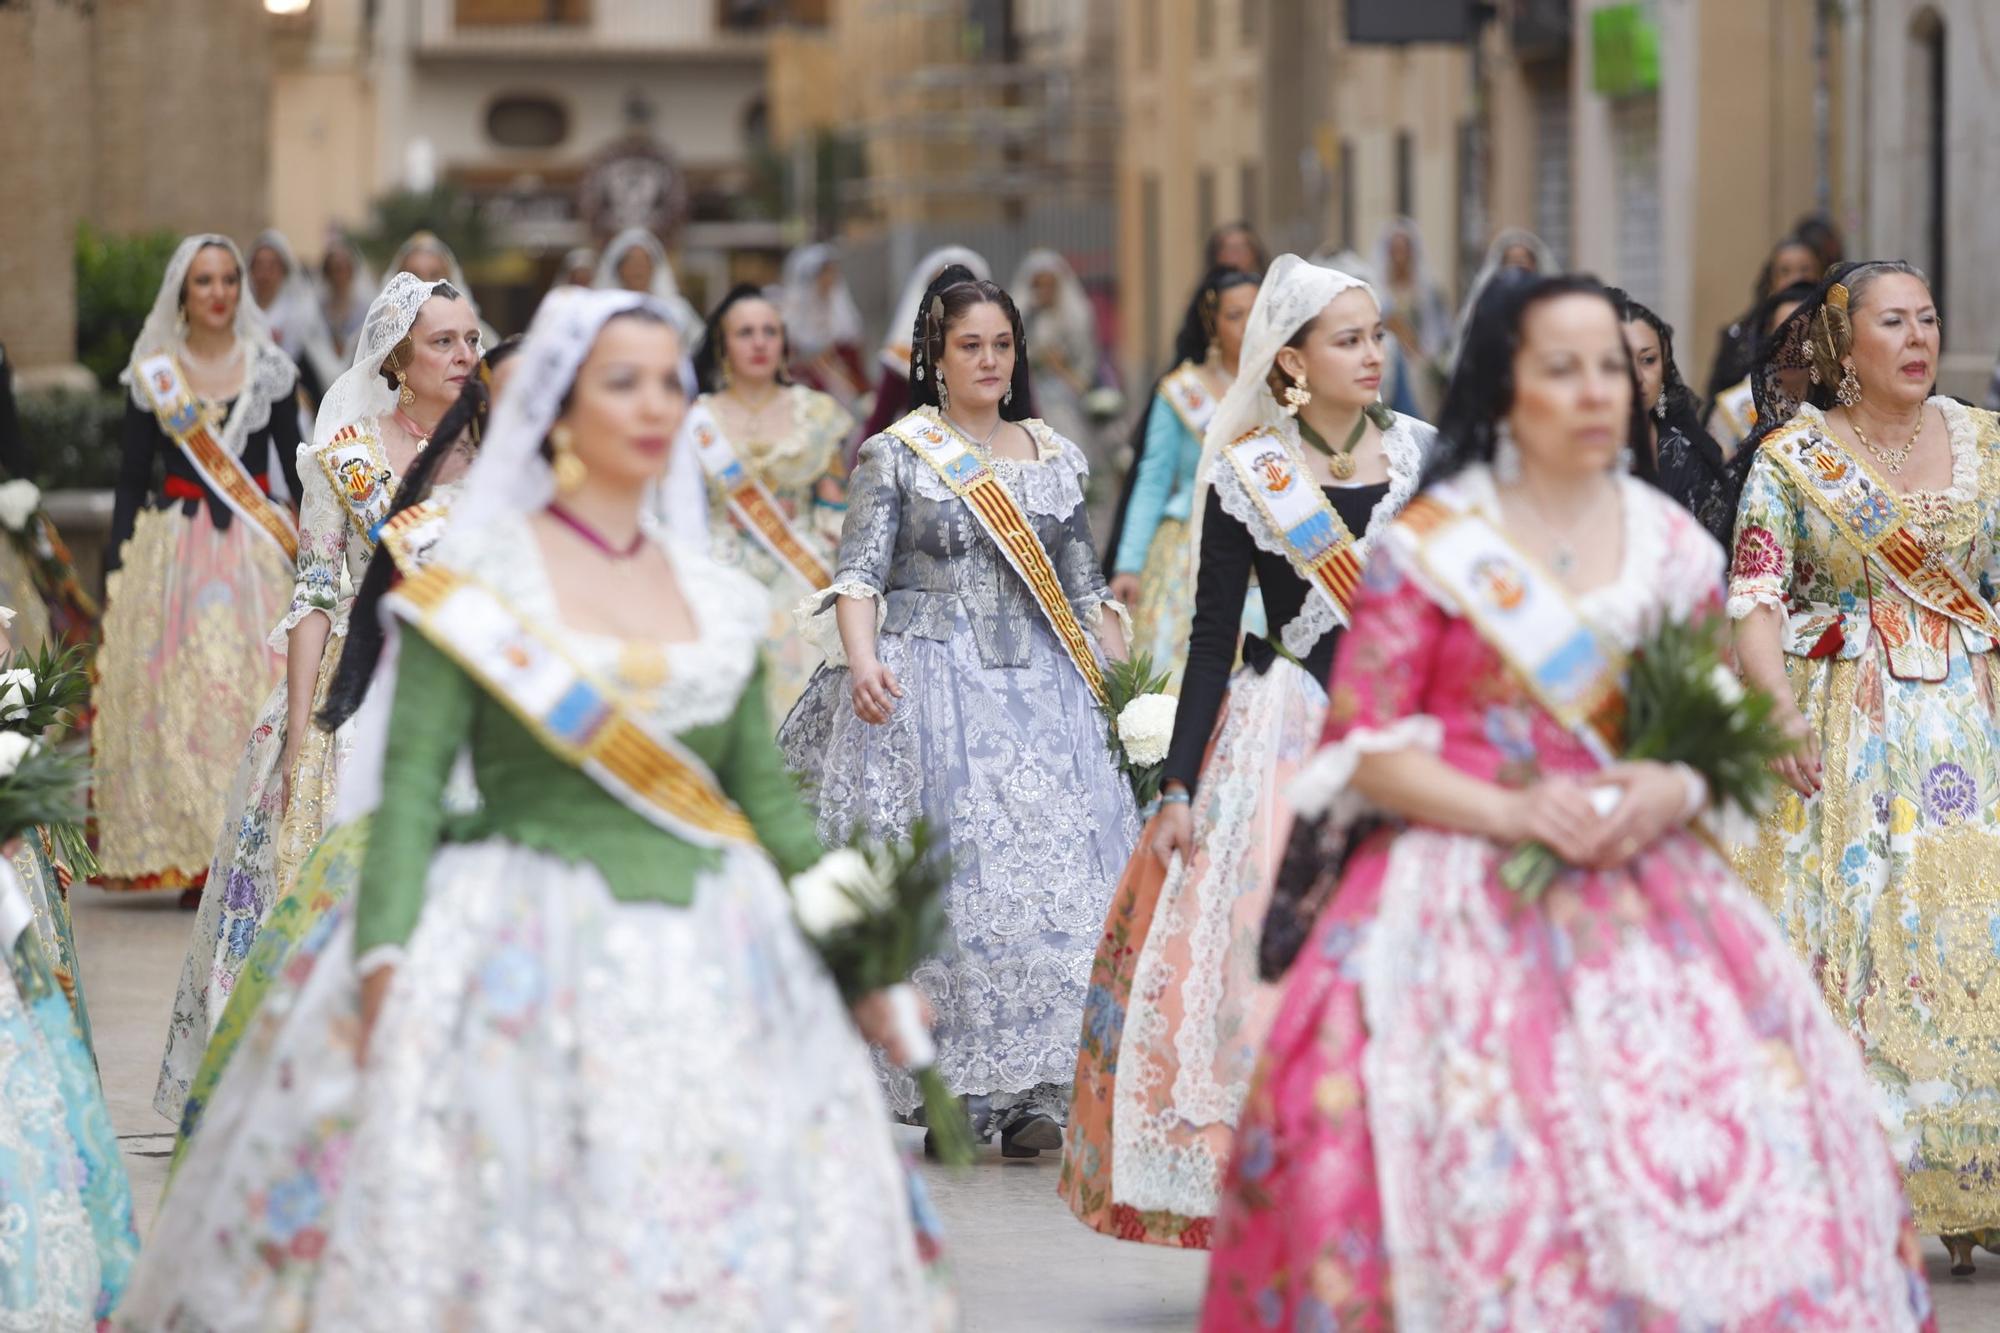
x=1745, y=598
x=815, y=618
x=1321, y=787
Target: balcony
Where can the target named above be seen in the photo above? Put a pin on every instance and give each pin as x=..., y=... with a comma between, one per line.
x=590, y=30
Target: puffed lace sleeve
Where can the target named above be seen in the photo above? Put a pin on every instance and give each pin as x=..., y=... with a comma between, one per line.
x=867, y=547
x=1075, y=557
x=1381, y=678
x=323, y=531
x=1767, y=534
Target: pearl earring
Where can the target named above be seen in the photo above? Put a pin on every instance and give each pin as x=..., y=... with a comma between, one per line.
x=1506, y=455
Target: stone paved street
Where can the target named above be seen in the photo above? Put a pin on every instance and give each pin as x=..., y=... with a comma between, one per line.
x=1022, y=1264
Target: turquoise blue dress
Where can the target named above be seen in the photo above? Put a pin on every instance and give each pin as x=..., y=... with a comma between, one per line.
x=66, y=1238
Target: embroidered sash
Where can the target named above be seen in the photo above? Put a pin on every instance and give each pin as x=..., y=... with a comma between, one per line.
x=359, y=473
x=993, y=507
x=578, y=719
x=1301, y=522
x=1872, y=516
x=411, y=535
x=181, y=418
x=1188, y=395
x=1567, y=664
x=751, y=503
x=1739, y=410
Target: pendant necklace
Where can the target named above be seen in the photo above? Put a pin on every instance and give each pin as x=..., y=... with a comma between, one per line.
x=968, y=434
x=1339, y=462
x=409, y=424
x=1563, y=558
x=1892, y=460
x=641, y=665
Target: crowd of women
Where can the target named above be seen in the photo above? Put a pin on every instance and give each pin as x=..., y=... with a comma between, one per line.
x=488, y=740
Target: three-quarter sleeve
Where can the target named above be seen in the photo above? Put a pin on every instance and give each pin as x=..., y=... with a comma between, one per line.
x=138, y=440
x=867, y=547
x=1227, y=556
x=285, y=441
x=754, y=775
x=430, y=719
x=1767, y=531
x=323, y=533
x=1075, y=553
x=1159, y=462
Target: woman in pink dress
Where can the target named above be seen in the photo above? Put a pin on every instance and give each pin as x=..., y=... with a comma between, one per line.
x=1620, y=1106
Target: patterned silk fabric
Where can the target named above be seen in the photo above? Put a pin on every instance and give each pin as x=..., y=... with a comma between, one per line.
x=1888, y=881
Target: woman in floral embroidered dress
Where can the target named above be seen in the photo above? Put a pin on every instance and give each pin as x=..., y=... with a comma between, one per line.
x=1882, y=860
x=791, y=439
x=1176, y=1010
x=419, y=344
x=192, y=586
x=951, y=698
x=492, y=1104
x=1620, y=1106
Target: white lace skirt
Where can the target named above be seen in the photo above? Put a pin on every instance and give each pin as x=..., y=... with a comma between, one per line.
x=578, y=1114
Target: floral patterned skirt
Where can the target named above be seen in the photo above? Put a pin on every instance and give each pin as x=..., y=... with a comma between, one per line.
x=35, y=868
x=30, y=630
x=67, y=1244
x=1176, y=1013
x=180, y=673
x=1624, y=1107
x=251, y=870
x=1164, y=617
x=1887, y=884
x=578, y=1114
x=1012, y=770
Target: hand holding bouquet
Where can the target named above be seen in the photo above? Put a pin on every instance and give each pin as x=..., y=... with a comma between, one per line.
x=1683, y=705
x=875, y=910
x=41, y=785
x=1141, y=713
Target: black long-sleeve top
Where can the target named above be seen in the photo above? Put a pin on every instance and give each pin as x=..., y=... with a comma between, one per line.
x=1228, y=556
x=144, y=442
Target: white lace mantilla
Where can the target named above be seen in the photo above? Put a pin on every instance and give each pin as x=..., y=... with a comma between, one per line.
x=1404, y=448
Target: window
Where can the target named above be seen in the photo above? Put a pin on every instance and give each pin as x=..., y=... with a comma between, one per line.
x=1926, y=162
x=1406, y=172
x=1204, y=205
x=516, y=13
x=1249, y=193
x=526, y=121
x=1204, y=28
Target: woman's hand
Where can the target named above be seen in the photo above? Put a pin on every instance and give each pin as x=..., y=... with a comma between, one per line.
x=875, y=1015
x=1125, y=587
x=1557, y=813
x=1173, y=830
x=1654, y=800
x=374, y=990
x=1800, y=770
x=875, y=691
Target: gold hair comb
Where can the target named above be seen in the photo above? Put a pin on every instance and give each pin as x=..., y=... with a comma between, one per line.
x=1836, y=295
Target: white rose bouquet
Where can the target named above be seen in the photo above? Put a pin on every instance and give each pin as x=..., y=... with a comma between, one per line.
x=19, y=500
x=874, y=911
x=1141, y=714
x=42, y=693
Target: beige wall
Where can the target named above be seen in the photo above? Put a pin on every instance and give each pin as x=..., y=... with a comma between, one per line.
x=323, y=130
x=44, y=158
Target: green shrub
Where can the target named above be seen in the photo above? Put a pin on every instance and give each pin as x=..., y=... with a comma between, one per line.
x=71, y=439
x=117, y=278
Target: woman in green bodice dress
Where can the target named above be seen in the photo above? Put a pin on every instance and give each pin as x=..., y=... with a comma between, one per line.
x=493, y=1103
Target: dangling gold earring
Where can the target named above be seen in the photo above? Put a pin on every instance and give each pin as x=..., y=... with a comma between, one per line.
x=403, y=394
x=722, y=375
x=569, y=469
x=1297, y=395
x=181, y=324
x=1848, y=393
x=944, y=396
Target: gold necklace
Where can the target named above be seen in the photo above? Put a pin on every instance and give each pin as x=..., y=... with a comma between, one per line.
x=1892, y=460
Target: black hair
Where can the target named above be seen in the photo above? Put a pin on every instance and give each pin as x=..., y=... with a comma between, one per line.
x=1481, y=392
x=1675, y=395
x=1198, y=324
x=708, y=358
x=362, y=649
x=1819, y=233
x=950, y=295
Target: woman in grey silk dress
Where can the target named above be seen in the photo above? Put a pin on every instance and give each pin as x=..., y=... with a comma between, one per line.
x=962, y=707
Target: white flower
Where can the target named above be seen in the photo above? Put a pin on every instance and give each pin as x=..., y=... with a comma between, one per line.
x=16, y=688
x=835, y=890
x=14, y=747
x=19, y=500
x=6, y=617
x=1145, y=726
x=1727, y=688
